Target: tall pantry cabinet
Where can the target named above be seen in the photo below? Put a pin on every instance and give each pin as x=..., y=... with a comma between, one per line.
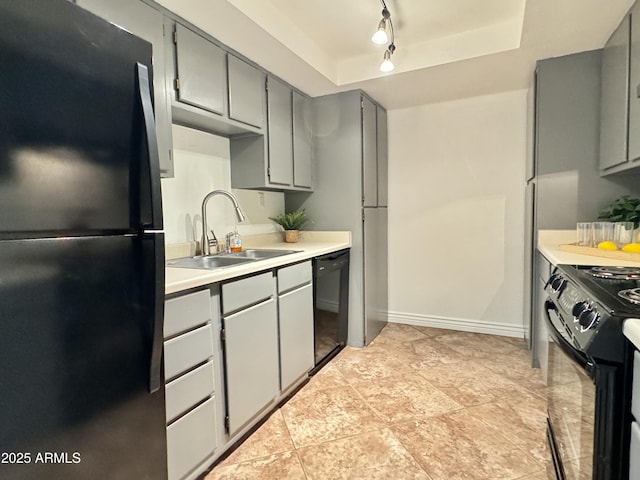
x=350, y=193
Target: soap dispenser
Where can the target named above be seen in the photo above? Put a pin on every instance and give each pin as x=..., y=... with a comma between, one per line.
x=236, y=241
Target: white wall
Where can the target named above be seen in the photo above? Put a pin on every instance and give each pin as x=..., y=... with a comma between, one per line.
x=202, y=164
x=456, y=213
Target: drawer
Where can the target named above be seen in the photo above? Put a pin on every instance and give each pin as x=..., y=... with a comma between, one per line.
x=189, y=389
x=191, y=440
x=186, y=312
x=294, y=276
x=635, y=396
x=187, y=351
x=248, y=291
x=634, y=451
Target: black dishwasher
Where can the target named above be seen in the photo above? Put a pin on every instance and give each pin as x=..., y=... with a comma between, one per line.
x=330, y=305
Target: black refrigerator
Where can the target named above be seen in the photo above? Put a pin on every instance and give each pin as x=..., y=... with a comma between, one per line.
x=81, y=249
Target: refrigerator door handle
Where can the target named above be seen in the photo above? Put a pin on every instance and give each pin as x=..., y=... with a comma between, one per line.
x=154, y=222
x=157, y=308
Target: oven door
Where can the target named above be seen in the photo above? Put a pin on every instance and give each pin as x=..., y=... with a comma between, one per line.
x=571, y=400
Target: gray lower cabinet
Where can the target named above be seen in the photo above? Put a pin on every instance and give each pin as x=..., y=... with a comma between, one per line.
x=295, y=321
x=193, y=419
x=246, y=92
x=250, y=346
x=147, y=23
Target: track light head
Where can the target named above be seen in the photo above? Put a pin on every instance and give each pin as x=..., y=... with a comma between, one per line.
x=387, y=65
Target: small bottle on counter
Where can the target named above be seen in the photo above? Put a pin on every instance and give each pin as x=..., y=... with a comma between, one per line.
x=236, y=242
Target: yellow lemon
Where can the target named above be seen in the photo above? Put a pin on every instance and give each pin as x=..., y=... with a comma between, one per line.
x=631, y=247
x=607, y=245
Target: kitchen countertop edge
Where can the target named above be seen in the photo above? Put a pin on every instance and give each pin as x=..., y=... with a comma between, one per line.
x=311, y=244
x=550, y=240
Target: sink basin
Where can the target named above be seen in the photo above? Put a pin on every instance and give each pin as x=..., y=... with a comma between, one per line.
x=209, y=262
x=259, y=253
x=223, y=260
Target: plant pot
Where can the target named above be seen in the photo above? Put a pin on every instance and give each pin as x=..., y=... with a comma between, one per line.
x=291, y=236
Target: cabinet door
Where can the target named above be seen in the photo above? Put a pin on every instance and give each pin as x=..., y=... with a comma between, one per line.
x=296, y=334
x=373, y=322
x=302, y=176
x=369, y=155
x=383, y=265
x=201, y=80
x=251, y=361
x=246, y=92
x=634, y=85
x=147, y=23
x=614, y=98
x=280, y=137
x=383, y=160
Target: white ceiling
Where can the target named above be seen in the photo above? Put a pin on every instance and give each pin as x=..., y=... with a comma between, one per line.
x=445, y=49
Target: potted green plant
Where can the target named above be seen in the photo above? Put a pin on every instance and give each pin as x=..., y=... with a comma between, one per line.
x=292, y=223
x=623, y=209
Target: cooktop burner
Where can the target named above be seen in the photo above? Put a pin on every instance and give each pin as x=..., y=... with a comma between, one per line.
x=615, y=273
x=631, y=294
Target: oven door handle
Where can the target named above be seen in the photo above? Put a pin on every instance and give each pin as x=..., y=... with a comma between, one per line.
x=576, y=355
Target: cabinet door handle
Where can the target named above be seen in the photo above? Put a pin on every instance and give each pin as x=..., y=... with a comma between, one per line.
x=638, y=91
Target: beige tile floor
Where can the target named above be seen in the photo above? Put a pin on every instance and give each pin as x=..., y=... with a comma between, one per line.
x=418, y=403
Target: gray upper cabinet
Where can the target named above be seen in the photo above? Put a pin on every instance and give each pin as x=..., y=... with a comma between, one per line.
x=147, y=23
x=281, y=159
x=246, y=92
x=634, y=86
x=201, y=78
x=369, y=153
x=614, y=98
x=280, y=139
x=383, y=156
x=302, y=159
x=620, y=100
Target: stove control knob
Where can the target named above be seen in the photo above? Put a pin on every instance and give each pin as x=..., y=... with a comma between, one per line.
x=578, y=309
x=589, y=319
x=556, y=282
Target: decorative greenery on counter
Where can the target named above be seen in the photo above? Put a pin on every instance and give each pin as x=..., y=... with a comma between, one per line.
x=624, y=209
x=291, y=220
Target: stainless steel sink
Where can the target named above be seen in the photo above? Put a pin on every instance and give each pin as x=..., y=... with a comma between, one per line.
x=259, y=253
x=224, y=260
x=209, y=262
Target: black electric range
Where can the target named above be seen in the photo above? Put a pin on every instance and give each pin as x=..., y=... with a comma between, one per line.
x=597, y=300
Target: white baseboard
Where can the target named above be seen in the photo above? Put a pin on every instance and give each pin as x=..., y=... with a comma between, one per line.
x=465, y=325
x=328, y=305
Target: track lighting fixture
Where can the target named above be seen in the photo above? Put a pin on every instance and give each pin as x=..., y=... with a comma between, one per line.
x=387, y=65
x=381, y=38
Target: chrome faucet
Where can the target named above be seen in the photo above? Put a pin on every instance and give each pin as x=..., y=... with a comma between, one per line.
x=206, y=248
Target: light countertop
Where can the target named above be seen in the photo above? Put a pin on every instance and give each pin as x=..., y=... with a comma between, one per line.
x=548, y=245
x=311, y=244
x=548, y=241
